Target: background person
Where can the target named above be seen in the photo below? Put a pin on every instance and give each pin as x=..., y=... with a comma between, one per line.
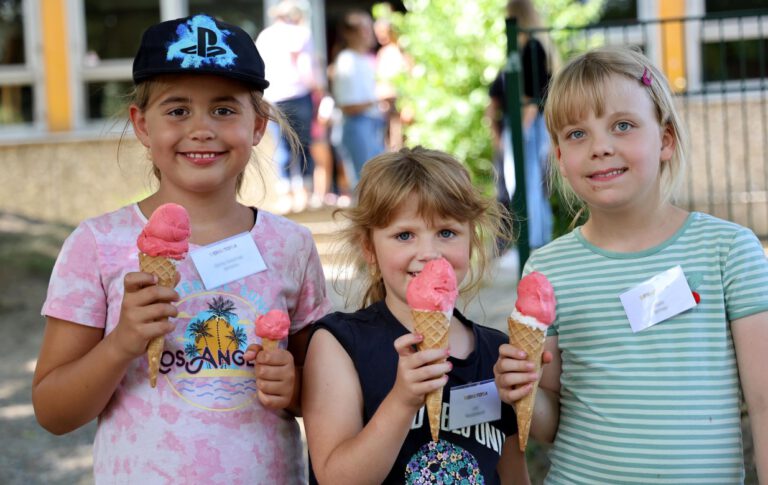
x=292, y=73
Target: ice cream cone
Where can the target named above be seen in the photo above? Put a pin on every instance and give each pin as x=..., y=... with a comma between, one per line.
x=434, y=327
x=269, y=344
x=165, y=270
x=531, y=340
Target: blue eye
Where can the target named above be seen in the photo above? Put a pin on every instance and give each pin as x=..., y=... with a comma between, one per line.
x=447, y=233
x=403, y=236
x=576, y=135
x=623, y=126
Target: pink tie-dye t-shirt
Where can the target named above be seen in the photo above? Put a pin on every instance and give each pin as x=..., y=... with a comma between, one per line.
x=203, y=423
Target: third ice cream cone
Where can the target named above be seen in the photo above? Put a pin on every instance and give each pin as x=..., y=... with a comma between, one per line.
x=534, y=312
x=531, y=340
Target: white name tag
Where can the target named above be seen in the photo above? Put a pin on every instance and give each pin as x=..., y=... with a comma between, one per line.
x=228, y=260
x=657, y=299
x=474, y=403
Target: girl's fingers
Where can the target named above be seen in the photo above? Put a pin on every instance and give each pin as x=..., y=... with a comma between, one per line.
x=425, y=387
x=159, y=311
x=404, y=344
x=272, y=373
x=432, y=371
x=504, y=365
x=154, y=329
x=272, y=388
x=513, y=395
x=512, y=352
x=251, y=352
x=277, y=357
x=137, y=280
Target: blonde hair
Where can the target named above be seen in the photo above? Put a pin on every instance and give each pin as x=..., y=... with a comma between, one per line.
x=579, y=88
x=442, y=188
x=142, y=93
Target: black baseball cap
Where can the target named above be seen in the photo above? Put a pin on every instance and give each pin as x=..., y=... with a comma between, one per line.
x=199, y=44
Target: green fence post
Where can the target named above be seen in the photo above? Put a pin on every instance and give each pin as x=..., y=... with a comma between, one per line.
x=513, y=93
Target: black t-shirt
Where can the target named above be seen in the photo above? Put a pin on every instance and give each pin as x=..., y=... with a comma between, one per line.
x=368, y=336
x=535, y=71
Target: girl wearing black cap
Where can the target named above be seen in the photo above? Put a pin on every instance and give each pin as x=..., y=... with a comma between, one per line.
x=223, y=407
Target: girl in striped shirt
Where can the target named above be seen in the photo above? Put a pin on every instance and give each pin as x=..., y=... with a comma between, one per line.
x=630, y=395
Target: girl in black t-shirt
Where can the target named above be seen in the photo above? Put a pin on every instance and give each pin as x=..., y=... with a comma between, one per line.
x=364, y=382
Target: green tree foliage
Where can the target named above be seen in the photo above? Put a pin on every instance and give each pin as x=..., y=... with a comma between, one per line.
x=457, y=48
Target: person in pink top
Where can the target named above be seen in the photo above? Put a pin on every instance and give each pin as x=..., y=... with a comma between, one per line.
x=223, y=409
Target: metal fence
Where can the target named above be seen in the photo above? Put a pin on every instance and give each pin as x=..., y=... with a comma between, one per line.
x=718, y=68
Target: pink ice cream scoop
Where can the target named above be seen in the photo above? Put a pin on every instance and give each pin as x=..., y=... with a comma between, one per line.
x=536, y=298
x=273, y=325
x=167, y=233
x=434, y=288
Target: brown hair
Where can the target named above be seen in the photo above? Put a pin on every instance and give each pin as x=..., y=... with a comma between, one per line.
x=442, y=188
x=141, y=94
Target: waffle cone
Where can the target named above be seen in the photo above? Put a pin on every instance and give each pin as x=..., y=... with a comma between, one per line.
x=531, y=340
x=434, y=327
x=269, y=344
x=165, y=270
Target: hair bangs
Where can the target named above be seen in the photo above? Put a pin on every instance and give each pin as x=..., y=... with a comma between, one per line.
x=579, y=92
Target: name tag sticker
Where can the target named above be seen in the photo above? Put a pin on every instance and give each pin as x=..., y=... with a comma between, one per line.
x=228, y=260
x=474, y=403
x=662, y=297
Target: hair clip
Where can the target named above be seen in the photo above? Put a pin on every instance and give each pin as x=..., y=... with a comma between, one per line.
x=646, y=77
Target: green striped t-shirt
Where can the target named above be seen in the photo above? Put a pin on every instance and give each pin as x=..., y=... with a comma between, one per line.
x=660, y=405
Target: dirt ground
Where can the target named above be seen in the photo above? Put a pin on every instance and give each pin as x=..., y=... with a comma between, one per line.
x=31, y=455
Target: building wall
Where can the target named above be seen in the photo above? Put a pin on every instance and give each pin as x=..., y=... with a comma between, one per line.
x=68, y=181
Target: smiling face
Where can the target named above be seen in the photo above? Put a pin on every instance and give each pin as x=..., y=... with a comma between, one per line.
x=200, y=131
x=403, y=247
x=613, y=161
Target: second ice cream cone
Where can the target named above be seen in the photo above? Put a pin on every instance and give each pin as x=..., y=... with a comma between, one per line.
x=434, y=327
x=531, y=340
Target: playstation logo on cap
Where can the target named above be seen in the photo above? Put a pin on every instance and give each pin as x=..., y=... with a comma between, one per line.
x=199, y=44
x=206, y=44
x=200, y=41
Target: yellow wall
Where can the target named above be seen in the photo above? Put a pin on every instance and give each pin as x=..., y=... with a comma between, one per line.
x=56, y=64
x=673, y=43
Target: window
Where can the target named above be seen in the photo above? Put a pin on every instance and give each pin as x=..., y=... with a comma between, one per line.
x=16, y=78
x=112, y=35
x=247, y=14
x=719, y=6
x=734, y=44
x=619, y=10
